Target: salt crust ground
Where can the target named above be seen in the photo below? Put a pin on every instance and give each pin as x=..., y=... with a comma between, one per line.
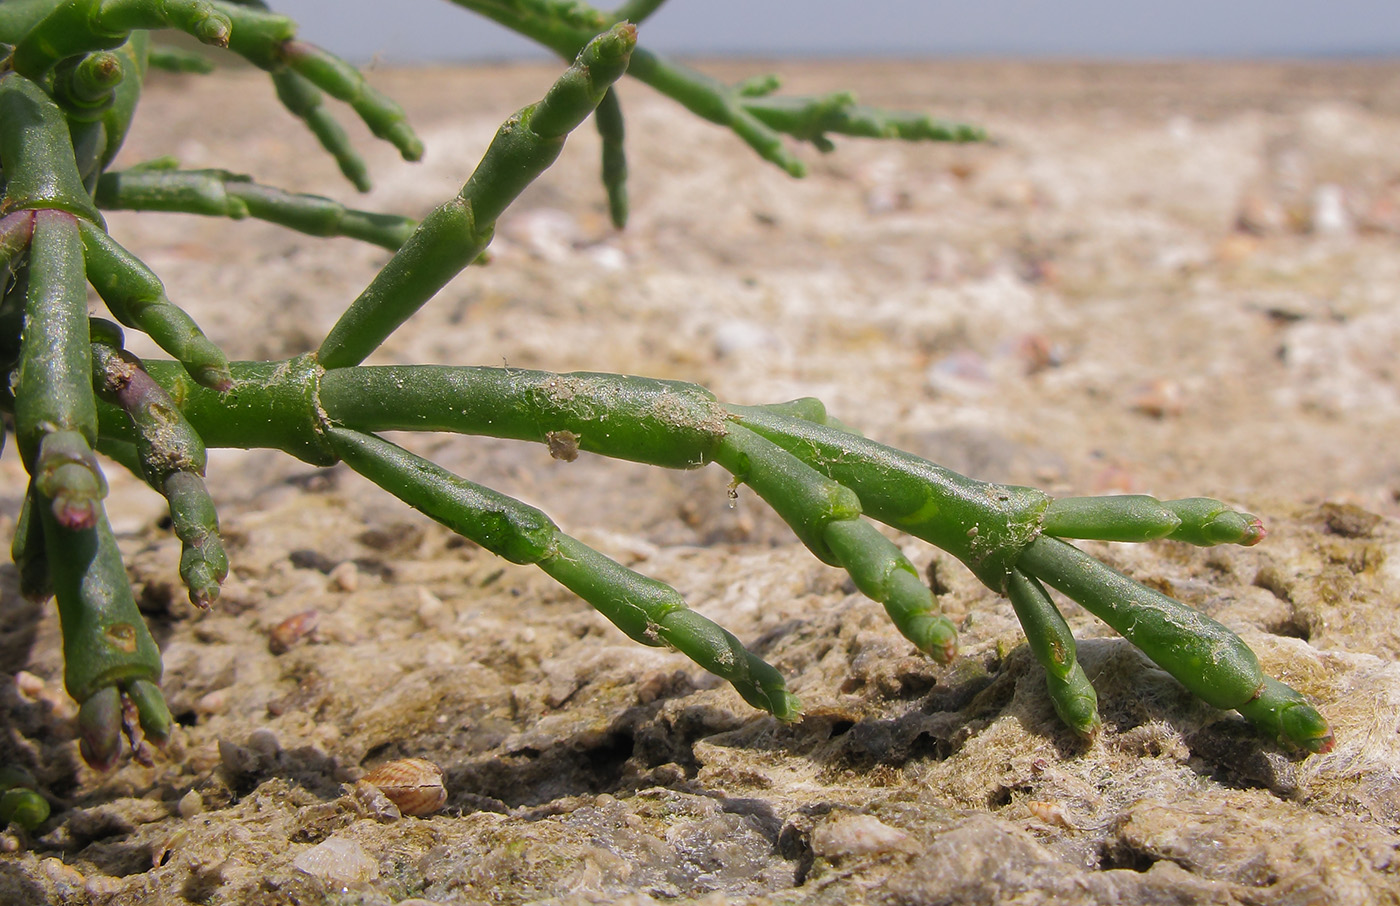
x=1174, y=280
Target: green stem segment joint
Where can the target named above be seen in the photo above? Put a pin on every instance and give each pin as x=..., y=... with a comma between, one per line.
x=68, y=91
x=454, y=234
x=823, y=481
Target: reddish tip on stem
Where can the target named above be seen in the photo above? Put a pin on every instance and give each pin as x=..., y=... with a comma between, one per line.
x=204, y=596
x=216, y=378
x=67, y=474
x=946, y=653
x=75, y=513
x=1254, y=533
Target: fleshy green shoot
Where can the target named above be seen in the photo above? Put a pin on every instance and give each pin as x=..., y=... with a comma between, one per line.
x=69, y=84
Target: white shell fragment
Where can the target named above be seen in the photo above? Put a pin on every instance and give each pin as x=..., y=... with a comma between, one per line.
x=859, y=835
x=190, y=804
x=413, y=784
x=337, y=861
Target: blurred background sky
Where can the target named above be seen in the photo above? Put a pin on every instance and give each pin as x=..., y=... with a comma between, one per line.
x=409, y=31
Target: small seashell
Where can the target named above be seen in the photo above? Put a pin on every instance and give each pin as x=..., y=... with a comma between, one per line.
x=287, y=633
x=165, y=848
x=858, y=835
x=337, y=861
x=345, y=576
x=264, y=742
x=1159, y=398
x=103, y=887
x=215, y=702
x=432, y=612
x=29, y=685
x=1330, y=216
x=1051, y=813
x=413, y=784
x=190, y=804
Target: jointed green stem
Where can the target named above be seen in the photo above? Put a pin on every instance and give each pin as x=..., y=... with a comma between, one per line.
x=1053, y=645
x=663, y=423
x=50, y=32
x=504, y=526
x=66, y=474
x=36, y=152
x=823, y=479
x=86, y=85
x=826, y=516
x=1284, y=714
x=257, y=33
x=760, y=122
x=107, y=649
x=271, y=405
x=135, y=295
x=268, y=41
x=807, y=500
x=646, y=610
x=81, y=26
x=311, y=71
x=453, y=235
x=1203, y=655
x=710, y=99
x=304, y=101
x=342, y=81
x=806, y=468
x=28, y=553
x=608, y=118
x=658, y=422
x=169, y=58
x=171, y=458
x=53, y=380
x=1134, y=517
x=885, y=575
x=203, y=563
x=810, y=119
x=991, y=527
x=218, y=193
x=653, y=613
x=116, y=119
x=562, y=27
x=984, y=525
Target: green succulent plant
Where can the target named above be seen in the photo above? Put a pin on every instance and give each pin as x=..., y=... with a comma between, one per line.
x=71, y=74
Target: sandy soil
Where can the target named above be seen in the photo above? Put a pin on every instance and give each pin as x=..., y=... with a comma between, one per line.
x=1174, y=279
